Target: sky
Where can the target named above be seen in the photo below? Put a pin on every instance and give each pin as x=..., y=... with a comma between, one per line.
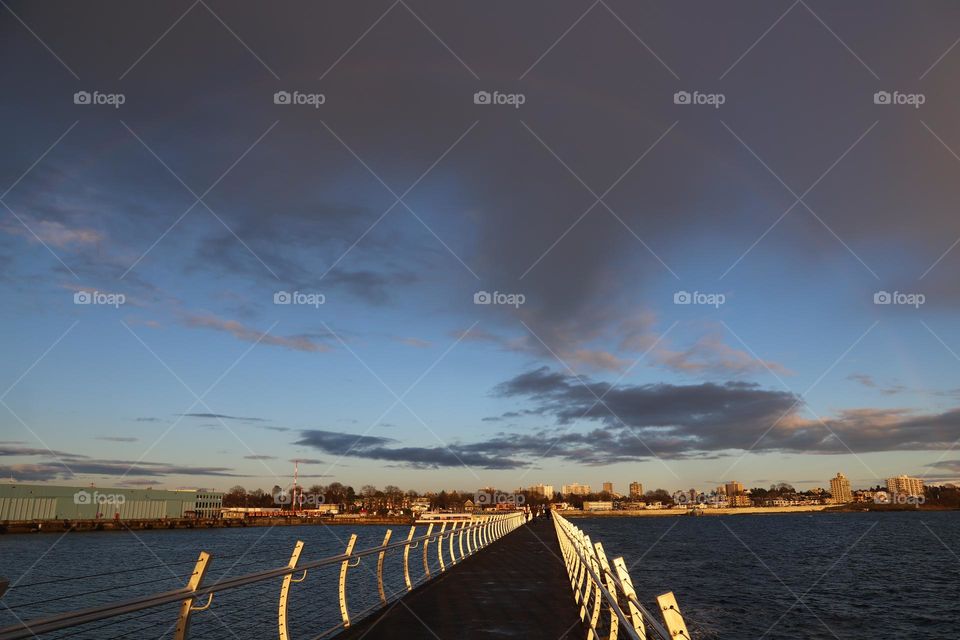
x=458, y=245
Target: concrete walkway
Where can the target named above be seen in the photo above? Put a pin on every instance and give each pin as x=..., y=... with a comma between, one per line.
x=515, y=588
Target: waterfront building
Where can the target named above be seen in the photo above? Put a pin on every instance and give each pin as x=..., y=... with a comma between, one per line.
x=740, y=500
x=597, y=505
x=25, y=502
x=905, y=485
x=636, y=490
x=576, y=489
x=840, y=489
x=608, y=487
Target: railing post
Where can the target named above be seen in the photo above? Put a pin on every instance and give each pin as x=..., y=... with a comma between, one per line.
x=199, y=570
x=426, y=543
x=344, y=613
x=671, y=615
x=285, y=590
x=635, y=616
x=470, y=536
x=611, y=587
x=383, y=594
x=443, y=527
x=453, y=558
x=406, y=558
x=592, y=559
x=460, y=538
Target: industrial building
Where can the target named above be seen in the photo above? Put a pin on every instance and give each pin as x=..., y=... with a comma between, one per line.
x=27, y=502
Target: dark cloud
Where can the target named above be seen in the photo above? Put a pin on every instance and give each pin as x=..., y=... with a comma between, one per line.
x=380, y=448
x=60, y=465
x=54, y=471
x=259, y=457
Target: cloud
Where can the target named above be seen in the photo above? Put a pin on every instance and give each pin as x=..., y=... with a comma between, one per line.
x=950, y=466
x=221, y=416
x=240, y=331
x=51, y=232
x=117, y=438
x=259, y=457
x=631, y=338
x=380, y=448
x=710, y=419
x=62, y=465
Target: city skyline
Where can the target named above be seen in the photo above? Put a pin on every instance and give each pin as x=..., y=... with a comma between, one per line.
x=474, y=261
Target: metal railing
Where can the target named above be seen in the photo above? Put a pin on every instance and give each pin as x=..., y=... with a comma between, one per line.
x=597, y=587
x=196, y=596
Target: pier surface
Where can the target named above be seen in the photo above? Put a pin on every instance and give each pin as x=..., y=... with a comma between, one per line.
x=515, y=588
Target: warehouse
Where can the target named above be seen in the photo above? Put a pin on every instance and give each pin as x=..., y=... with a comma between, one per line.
x=26, y=502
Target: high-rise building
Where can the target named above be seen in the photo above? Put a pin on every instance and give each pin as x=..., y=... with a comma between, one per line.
x=608, y=487
x=733, y=488
x=636, y=490
x=905, y=485
x=545, y=490
x=575, y=488
x=840, y=489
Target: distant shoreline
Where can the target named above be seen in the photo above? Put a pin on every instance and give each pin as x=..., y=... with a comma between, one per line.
x=182, y=524
x=734, y=511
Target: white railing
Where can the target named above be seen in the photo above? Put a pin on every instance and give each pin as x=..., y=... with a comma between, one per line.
x=196, y=597
x=598, y=587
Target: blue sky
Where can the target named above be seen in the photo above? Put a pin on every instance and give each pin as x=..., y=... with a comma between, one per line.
x=399, y=198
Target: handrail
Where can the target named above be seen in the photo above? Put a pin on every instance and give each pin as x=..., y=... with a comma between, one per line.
x=593, y=580
x=484, y=529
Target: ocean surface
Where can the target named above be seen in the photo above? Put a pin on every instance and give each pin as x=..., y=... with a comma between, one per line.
x=809, y=576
